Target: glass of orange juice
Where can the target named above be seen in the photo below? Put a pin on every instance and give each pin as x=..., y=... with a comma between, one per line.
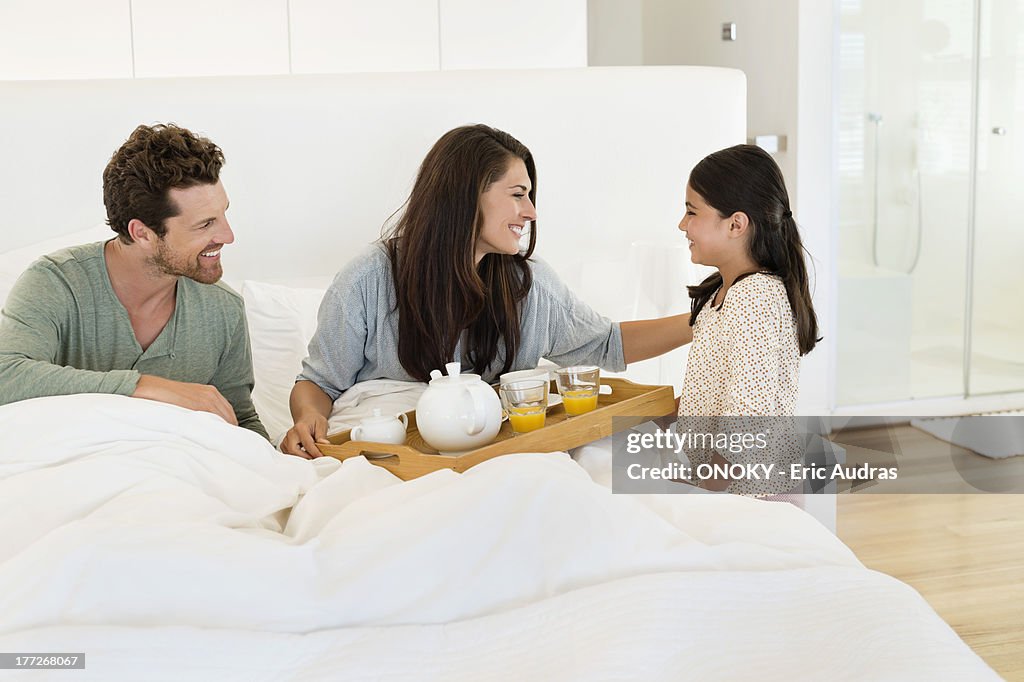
x=579, y=387
x=526, y=403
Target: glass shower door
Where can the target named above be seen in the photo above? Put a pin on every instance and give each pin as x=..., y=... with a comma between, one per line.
x=996, y=341
x=905, y=102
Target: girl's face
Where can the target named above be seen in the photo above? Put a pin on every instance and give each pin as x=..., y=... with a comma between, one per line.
x=505, y=208
x=707, y=232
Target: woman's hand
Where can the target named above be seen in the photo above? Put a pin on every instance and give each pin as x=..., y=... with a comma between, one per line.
x=310, y=407
x=644, y=339
x=302, y=439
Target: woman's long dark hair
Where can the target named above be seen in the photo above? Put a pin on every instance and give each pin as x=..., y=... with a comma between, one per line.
x=746, y=179
x=440, y=289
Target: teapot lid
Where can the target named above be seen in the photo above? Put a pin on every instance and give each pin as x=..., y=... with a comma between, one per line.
x=455, y=376
x=377, y=417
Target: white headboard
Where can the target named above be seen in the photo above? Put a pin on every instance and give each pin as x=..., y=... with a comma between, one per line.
x=316, y=164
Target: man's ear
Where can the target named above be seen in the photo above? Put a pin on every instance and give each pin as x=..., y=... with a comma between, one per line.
x=739, y=222
x=140, y=232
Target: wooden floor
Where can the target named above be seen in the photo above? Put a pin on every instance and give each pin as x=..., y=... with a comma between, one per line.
x=963, y=550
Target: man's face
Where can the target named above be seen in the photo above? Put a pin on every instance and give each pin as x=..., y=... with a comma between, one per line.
x=191, y=246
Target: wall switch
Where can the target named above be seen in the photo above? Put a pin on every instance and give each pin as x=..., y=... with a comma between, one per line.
x=729, y=30
x=773, y=144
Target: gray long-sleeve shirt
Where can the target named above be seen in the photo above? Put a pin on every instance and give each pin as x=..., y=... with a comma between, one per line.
x=357, y=330
x=63, y=331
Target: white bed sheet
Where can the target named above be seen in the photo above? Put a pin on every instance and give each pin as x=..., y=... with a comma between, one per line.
x=166, y=544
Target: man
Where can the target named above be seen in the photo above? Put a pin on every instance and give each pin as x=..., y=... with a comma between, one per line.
x=143, y=314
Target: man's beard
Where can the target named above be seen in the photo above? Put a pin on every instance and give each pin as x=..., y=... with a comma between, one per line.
x=167, y=263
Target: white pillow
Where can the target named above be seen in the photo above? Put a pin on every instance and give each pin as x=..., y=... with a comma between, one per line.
x=16, y=261
x=282, y=320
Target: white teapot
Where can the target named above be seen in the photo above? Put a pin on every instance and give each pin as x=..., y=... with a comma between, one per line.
x=458, y=412
x=382, y=428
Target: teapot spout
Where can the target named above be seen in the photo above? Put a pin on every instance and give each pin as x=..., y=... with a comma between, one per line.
x=454, y=369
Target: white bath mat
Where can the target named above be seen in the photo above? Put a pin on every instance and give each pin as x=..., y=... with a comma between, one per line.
x=992, y=435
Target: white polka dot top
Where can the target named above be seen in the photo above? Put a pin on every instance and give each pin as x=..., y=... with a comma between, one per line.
x=745, y=355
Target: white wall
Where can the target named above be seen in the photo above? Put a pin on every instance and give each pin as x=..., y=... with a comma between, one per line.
x=525, y=34
x=635, y=32
x=815, y=188
x=63, y=39
x=201, y=38
x=335, y=36
x=69, y=39
x=765, y=49
x=615, y=33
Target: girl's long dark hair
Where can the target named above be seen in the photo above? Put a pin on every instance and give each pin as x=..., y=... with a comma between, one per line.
x=440, y=290
x=746, y=179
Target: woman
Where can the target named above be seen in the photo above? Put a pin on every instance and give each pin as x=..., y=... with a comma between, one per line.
x=449, y=282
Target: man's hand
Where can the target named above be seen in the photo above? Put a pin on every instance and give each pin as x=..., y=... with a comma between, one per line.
x=301, y=440
x=191, y=396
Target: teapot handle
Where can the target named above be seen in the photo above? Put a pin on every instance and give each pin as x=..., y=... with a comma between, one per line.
x=476, y=407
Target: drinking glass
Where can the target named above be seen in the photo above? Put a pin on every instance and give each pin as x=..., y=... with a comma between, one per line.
x=526, y=403
x=579, y=387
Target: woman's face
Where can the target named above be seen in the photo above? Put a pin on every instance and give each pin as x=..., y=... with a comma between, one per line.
x=707, y=232
x=505, y=208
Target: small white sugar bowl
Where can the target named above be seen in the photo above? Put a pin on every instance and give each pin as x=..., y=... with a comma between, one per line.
x=382, y=428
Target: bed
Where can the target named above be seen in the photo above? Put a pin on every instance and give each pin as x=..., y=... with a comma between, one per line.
x=166, y=545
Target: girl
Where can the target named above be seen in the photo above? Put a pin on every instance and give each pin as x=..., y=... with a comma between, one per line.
x=752, y=319
x=449, y=282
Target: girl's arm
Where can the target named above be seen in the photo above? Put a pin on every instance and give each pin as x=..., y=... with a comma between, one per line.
x=645, y=339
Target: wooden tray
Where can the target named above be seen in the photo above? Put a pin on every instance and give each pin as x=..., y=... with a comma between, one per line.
x=416, y=458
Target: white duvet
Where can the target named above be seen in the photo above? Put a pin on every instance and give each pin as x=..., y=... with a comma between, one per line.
x=167, y=545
